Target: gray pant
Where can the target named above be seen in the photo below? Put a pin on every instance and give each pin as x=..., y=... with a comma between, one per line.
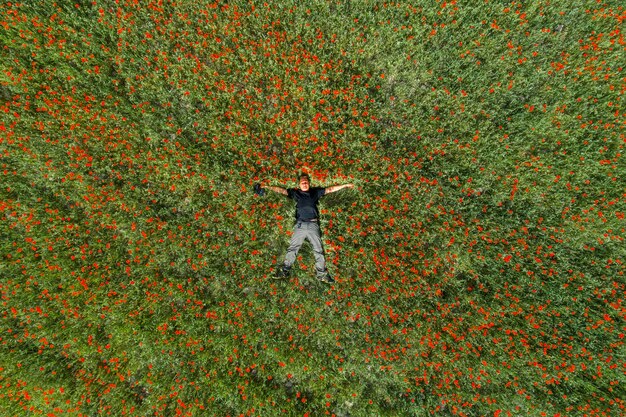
x=307, y=231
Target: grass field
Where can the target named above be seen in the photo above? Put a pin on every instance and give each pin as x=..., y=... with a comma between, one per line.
x=479, y=259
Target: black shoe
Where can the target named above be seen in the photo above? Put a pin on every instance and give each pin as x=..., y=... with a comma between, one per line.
x=326, y=278
x=281, y=273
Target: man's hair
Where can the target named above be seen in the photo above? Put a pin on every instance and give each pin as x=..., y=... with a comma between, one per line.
x=304, y=175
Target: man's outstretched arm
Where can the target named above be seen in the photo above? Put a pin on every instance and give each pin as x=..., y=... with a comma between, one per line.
x=279, y=190
x=334, y=188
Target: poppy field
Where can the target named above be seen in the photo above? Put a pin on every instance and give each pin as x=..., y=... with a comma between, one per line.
x=479, y=259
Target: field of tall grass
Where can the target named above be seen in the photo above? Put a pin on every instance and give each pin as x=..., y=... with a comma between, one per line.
x=479, y=260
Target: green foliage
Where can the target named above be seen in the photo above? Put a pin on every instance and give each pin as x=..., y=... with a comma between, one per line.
x=479, y=259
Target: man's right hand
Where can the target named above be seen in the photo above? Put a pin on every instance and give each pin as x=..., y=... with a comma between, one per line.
x=258, y=189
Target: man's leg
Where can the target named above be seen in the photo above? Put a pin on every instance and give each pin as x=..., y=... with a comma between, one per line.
x=297, y=239
x=314, y=236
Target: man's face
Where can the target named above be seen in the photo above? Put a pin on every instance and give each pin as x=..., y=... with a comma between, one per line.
x=304, y=184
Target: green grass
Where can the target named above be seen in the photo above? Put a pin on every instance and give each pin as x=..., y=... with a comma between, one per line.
x=479, y=259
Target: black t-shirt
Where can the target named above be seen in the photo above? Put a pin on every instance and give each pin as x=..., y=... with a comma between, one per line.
x=306, y=202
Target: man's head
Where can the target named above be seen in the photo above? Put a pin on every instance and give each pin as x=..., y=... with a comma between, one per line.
x=304, y=182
